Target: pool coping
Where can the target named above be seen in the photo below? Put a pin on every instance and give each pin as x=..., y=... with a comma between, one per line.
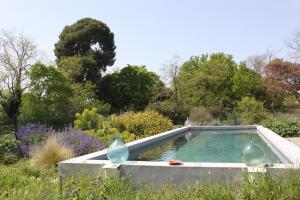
x=141, y=169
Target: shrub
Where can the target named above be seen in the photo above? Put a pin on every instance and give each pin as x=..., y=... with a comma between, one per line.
x=142, y=124
x=8, y=149
x=89, y=119
x=200, y=116
x=176, y=111
x=252, y=111
x=108, y=134
x=49, y=154
x=284, y=129
x=80, y=143
x=32, y=135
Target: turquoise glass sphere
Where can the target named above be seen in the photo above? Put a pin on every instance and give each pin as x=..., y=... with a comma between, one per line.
x=117, y=152
x=253, y=155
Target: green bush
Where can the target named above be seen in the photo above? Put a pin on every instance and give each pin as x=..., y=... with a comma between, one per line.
x=108, y=134
x=252, y=111
x=176, y=111
x=142, y=124
x=89, y=119
x=8, y=149
x=284, y=129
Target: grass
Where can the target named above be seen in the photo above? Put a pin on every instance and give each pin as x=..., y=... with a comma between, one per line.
x=50, y=153
x=21, y=181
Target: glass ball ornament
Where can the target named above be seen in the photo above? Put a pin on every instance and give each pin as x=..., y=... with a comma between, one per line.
x=253, y=155
x=117, y=152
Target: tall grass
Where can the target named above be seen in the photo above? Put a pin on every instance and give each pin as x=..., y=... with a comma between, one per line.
x=20, y=181
x=49, y=154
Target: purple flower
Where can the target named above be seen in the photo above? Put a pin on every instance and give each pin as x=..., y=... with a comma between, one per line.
x=80, y=143
x=31, y=135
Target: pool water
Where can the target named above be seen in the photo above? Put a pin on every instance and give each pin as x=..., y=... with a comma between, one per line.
x=205, y=146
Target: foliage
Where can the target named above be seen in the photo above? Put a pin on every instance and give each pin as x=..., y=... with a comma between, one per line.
x=283, y=77
x=8, y=149
x=246, y=82
x=31, y=135
x=89, y=47
x=20, y=181
x=89, y=119
x=108, y=134
x=79, y=142
x=142, y=124
x=17, y=52
x=200, y=116
x=177, y=111
x=208, y=80
x=284, y=128
x=252, y=111
x=49, y=98
x=85, y=98
x=132, y=88
x=49, y=154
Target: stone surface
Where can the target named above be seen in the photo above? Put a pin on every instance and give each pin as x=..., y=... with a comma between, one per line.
x=295, y=140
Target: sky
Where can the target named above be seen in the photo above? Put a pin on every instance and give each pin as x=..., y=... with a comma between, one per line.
x=151, y=32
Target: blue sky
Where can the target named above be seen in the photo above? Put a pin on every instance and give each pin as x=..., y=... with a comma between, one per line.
x=151, y=32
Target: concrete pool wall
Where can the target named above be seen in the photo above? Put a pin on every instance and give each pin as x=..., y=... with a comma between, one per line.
x=158, y=173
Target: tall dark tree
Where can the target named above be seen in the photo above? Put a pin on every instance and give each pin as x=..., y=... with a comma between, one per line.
x=85, y=48
x=131, y=88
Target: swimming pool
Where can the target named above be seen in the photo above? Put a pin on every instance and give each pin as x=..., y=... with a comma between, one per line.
x=209, y=153
x=215, y=146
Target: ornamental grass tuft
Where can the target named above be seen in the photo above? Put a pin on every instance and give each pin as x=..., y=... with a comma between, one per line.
x=49, y=154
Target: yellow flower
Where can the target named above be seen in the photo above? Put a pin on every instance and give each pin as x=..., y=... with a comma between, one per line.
x=75, y=198
x=102, y=194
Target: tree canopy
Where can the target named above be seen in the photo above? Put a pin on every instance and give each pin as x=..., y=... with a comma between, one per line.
x=85, y=49
x=132, y=87
x=208, y=80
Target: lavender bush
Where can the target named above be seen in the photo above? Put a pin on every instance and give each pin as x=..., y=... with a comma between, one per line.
x=80, y=143
x=31, y=135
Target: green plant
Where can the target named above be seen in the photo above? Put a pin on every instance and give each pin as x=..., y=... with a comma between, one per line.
x=252, y=111
x=284, y=128
x=49, y=154
x=108, y=134
x=200, y=116
x=8, y=149
x=89, y=119
x=20, y=181
x=142, y=124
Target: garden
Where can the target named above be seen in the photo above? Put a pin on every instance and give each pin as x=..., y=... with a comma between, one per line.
x=52, y=112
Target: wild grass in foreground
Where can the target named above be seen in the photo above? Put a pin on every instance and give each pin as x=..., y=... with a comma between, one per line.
x=20, y=181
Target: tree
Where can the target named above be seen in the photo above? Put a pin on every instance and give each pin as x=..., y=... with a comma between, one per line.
x=133, y=87
x=208, y=80
x=246, y=82
x=170, y=74
x=85, y=49
x=17, y=53
x=283, y=77
x=294, y=45
x=49, y=99
x=258, y=63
